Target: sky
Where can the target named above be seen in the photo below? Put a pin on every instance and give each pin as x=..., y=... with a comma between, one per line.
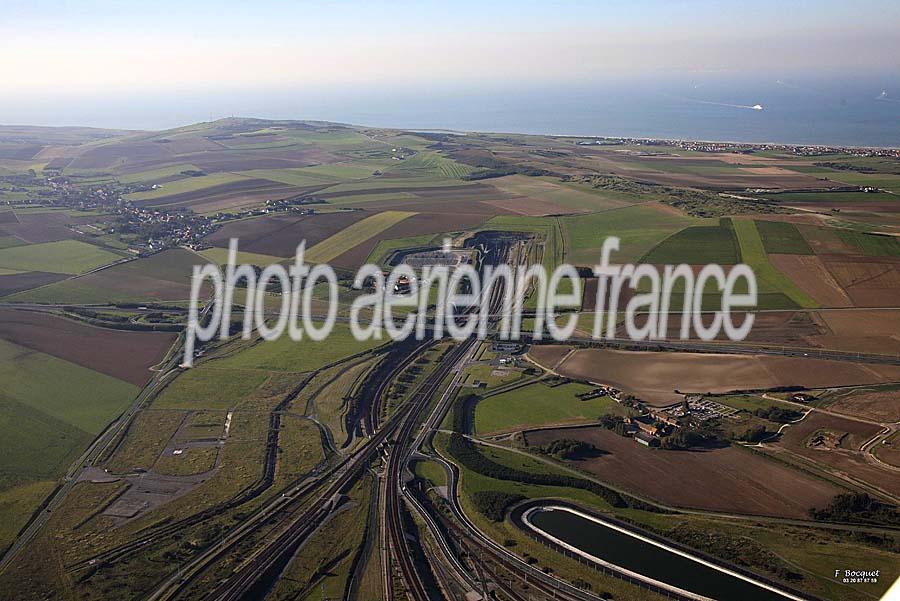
x=54, y=52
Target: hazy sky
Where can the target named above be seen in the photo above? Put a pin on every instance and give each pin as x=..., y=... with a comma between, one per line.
x=155, y=63
x=101, y=45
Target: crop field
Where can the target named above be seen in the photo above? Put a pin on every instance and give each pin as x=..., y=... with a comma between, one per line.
x=538, y=405
x=698, y=245
x=554, y=196
x=10, y=241
x=809, y=273
x=50, y=409
x=783, y=238
x=12, y=281
x=220, y=255
x=385, y=184
x=126, y=355
x=357, y=233
x=868, y=281
x=870, y=244
x=163, y=174
x=279, y=235
x=285, y=355
x=17, y=504
x=165, y=276
x=238, y=194
x=299, y=177
x=65, y=256
x=186, y=185
x=828, y=280
x=639, y=229
x=769, y=279
x=35, y=227
x=728, y=479
x=654, y=377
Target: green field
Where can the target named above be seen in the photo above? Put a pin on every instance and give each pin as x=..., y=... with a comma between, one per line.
x=769, y=279
x=156, y=174
x=385, y=181
x=142, y=280
x=9, y=242
x=488, y=376
x=294, y=177
x=220, y=256
x=81, y=397
x=536, y=405
x=64, y=256
x=432, y=471
x=432, y=163
x=639, y=229
x=781, y=237
x=355, y=199
x=698, y=245
x=188, y=184
x=336, y=245
x=306, y=355
x=16, y=506
x=50, y=410
x=205, y=387
x=871, y=244
x=385, y=248
x=569, y=195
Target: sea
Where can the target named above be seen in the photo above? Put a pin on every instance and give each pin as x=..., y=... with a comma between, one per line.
x=836, y=110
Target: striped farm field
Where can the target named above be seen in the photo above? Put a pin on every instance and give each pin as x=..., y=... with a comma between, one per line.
x=188, y=184
x=769, y=279
x=63, y=256
x=353, y=235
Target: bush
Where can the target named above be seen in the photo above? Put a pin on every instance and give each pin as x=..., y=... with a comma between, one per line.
x=493, y=503
x=777, y=414
x=859, y=508
x=570, y=449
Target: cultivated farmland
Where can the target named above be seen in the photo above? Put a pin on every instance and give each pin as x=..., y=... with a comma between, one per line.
x=353, y=235
x=126, y=355
x=728, y=479
x=65, y=256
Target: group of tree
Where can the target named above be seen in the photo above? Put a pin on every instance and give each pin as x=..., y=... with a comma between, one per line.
x=493, y=503
x=706, y=434
x=859, y=508
x=566, y=448
x=778, y=414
